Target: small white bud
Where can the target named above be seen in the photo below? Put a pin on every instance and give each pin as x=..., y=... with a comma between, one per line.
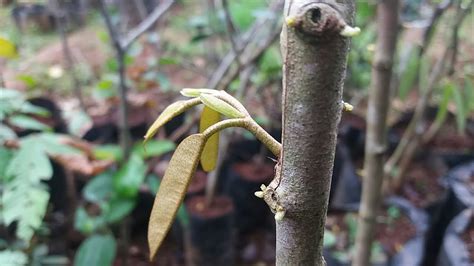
x=263, y=187
x=349, y=31
x=259, y=194
x=347, y=107
x=279, y=215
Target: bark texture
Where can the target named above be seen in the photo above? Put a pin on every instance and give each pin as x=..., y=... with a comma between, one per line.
x=315, y=58
x=376, y=142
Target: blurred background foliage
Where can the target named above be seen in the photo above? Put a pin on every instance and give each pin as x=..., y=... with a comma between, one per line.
x=69, y=195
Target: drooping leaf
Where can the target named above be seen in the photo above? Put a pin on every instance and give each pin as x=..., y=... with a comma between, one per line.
x=96, y=250
x=220, y=106
x=460, y=114
x=128, y=179
x=154, y=148
x=211, y=150
x=169, y=113
x=172, y=189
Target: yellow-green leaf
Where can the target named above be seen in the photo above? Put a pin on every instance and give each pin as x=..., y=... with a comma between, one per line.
x=211, y=150
x=172, y=189
x=220, y=106
x=171, y=111
x=195, y=92
x=7, y=48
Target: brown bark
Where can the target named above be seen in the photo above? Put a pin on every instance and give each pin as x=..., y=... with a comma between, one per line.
x=315, y=58
x=376, y=143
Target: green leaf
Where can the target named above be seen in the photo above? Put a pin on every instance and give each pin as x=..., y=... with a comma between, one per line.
x=351, y=222
x=164, y=81
x=365, y=11
x=30, y=163
x=469, y=90
x=13, y=258
x=6, y=133
x=108, y=152
x=55, y=260
x=409, y=75
x=271, y=61
x=242, y=12
x=25, y=204
x=167, y=61
x=393, y=212
x=128, y=179
x=53, y=144
x=99, y=189
x=443, y=105
x=25, y=198
x=5, y=157
x=169, y=113
x=154, y=148
x=29, y=80
x=10, y=101
x=172, y=189
x=424, y=74
x=26, y=122
x=220, y=106
x=153, y=183
x=96, y=250
x=29, y=108
x=378, y=255
x=183, y=216
x=329, y=239
x=119, y=208
x=460, y=114
x=211, y=150
x=87, y=224
x=79, y=121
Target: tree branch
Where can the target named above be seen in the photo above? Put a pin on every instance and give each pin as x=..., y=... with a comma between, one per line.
x=376, y=141
x=314, y=56
x=146, y=24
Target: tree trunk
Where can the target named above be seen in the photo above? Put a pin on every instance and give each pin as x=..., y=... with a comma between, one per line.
x=315, y=58
x=376, y=143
